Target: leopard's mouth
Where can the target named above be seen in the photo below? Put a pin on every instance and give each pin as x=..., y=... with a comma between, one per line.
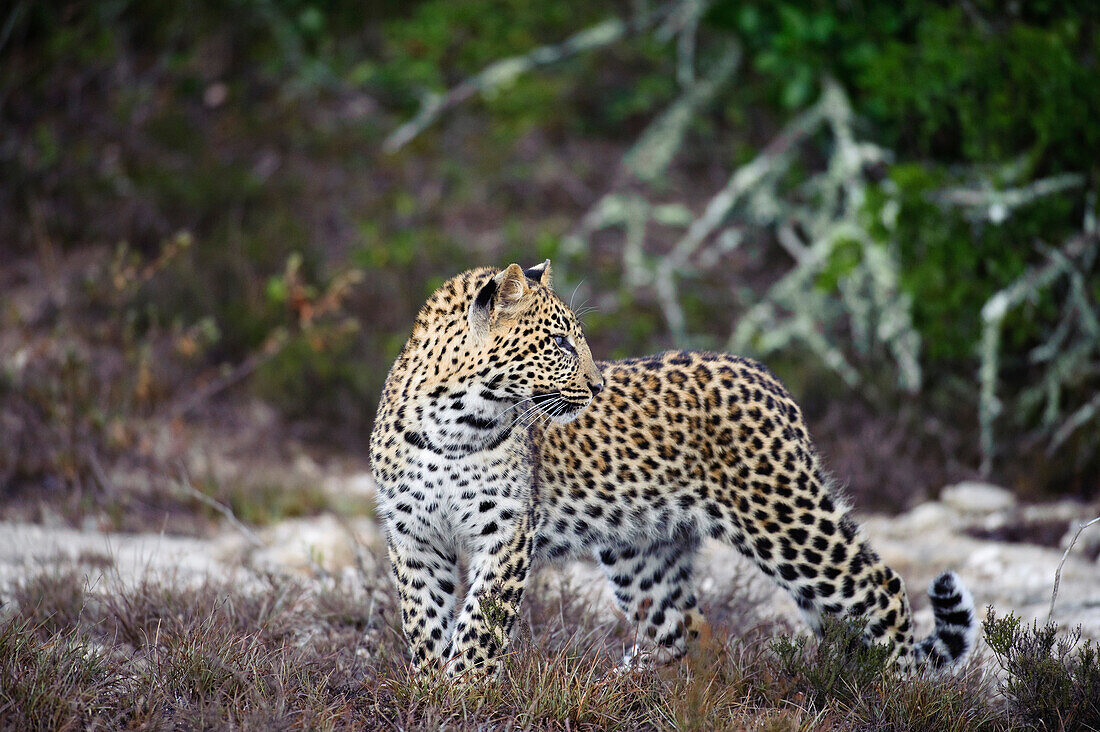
x=544, y=399
x=557, y=407
x=568, y=415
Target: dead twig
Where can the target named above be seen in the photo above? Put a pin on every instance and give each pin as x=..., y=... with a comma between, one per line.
x=185, y=485
x=1058, y=572
x=360, y=553
x=271, y=348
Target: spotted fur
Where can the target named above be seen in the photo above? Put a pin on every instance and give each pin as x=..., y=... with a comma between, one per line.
x=499, y=438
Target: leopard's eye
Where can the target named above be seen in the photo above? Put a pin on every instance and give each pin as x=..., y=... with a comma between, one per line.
x=564, y=344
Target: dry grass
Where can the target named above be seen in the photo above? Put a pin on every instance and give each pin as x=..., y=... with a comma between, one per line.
x=273, y=652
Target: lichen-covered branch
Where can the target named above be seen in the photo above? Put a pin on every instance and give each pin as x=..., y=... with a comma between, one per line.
x=645, y=163
x=650, y=157
x=878, y=313
x=996, y=206
x=504, y=72
x=828, y=212
x=1074, y=343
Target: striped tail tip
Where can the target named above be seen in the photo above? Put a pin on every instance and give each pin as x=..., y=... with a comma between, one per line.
x=956, y=623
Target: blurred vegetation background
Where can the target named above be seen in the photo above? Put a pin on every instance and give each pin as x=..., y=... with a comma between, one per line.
x=892, y=204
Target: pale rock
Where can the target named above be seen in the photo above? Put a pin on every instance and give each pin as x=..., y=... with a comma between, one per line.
x=975, y=497
x=927, y=517
x=356, y=484
x=302, y=545
x=307, y=468
x=1068, y=510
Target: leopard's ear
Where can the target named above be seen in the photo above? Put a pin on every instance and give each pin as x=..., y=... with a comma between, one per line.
x=501, y=295
x=512, y=288
x=540, y=273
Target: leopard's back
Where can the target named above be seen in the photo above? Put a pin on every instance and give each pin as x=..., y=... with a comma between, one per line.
x=680, y=441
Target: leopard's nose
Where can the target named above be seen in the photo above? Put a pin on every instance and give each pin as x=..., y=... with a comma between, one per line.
x=596, y=388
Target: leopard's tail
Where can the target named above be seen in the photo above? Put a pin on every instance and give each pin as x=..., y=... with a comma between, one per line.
x=956, y=623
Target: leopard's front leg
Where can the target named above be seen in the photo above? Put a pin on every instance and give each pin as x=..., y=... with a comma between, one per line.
x=498, y=576
x=426, y=578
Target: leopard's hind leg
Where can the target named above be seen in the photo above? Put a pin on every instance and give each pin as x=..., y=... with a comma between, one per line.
x=799, y=534
x=653, y=587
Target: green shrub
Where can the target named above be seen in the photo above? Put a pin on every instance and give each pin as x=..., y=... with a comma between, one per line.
x=982, y=83
x=837, y=666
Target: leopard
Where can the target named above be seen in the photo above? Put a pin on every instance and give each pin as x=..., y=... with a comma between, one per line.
x=500, y=446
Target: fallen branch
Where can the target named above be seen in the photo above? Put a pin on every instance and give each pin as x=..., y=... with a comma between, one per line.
x=1058, y=572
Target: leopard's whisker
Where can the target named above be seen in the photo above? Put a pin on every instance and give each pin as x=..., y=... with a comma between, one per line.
x=520, y=417
x=575, y=293
x=582, y=310
x=535, y=409
x=545, y=413
x=521, y=401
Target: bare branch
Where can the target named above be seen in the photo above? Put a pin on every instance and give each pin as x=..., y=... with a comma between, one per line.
x=690, y=11
x=271, y=348
x=1080, y=417
x=650, y=157
x=647, y=161
x=771, y=161
x=1058, y=572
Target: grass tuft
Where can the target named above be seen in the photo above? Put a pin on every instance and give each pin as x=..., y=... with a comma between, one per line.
x=59, y=682
x=53, y=599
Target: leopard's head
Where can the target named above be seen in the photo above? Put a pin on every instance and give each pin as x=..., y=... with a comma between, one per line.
x=529, y=346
